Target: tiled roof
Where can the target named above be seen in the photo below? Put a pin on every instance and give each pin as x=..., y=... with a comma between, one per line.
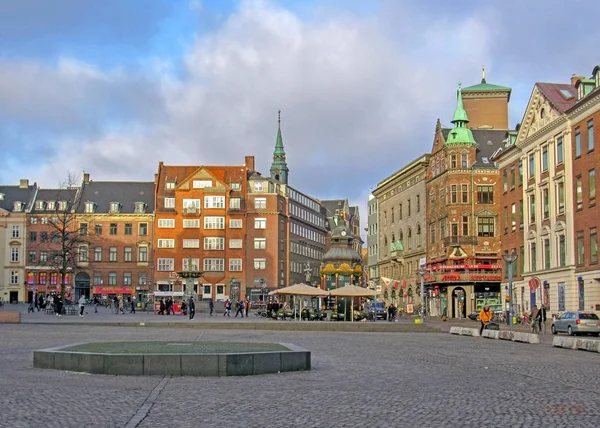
x=558, y=95
x=127, y=193
x=488, y=140
x=69, y=195
x=12, y=194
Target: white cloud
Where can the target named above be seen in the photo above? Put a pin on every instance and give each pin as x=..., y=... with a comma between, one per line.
x=356, y=103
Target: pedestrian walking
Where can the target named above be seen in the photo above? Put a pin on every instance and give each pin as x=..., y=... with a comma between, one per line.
x=247, y=306
x=82, y=301
x=211, y=306
x=191, y=308
x=132, y=305
x=240, y=309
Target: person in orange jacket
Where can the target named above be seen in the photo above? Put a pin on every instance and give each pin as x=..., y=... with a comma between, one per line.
x=485, y=316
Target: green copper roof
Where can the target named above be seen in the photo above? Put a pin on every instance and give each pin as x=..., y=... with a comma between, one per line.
x=460, y=134
x=279, y=150
x=486, y=87
x=279, y=168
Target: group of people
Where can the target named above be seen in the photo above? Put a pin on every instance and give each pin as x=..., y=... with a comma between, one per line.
x=241, y=307
x=537, y=317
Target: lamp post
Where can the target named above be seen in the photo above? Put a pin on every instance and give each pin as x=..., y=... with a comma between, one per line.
x=422, y=273
x=510, y=258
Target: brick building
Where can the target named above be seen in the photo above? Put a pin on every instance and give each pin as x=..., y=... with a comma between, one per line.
x=402, y=230
x=15, y=203
x=463, y=240
x=115, y=226
x=583, y=291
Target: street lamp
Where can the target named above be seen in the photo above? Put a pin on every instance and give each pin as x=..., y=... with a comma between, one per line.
x=510, y=258
x=422, y=273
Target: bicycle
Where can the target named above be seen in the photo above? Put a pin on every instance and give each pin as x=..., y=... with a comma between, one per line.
x=535, y=327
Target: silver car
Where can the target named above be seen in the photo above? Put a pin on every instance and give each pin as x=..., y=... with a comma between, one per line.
x=576, y=323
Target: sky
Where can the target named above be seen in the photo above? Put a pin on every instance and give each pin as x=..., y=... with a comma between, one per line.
x=114, y=87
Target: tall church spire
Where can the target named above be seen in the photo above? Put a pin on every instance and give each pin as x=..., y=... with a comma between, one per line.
x=460, y=133
x=279, y=168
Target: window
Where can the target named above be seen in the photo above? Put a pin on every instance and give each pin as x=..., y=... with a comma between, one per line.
x=143, y=229
x=214, y=222
x=579, y=192
x=562, y=251
x=214, y=243
x=98, y=229
x=235, y=243
x=83, y=229
x=112, y=278
x=142, y=278
x=531, y=166
x=33, y=220
x=485, y=226
x=560, y=197
x=546, y=203
x=235, y=265
x=418, y=203
x=408, y=210
x=593, y=246
x=465, y=194
x=400, y=212
x=214, y=265
x=260, y=243
x=580, y=249
x=258, y=186
x=98, y=254
x=590, y=135
x=392, y=215
x=577, y=143
x=143, y=254
x=533, y=253
x=191, y=206
x=235, y=223
x=140, y=208
x=191, y=223
x=453, y=161
x=520, y=173
x=505, y=181
x=14, y=277
x=454, y=229
x=32, y=257
x=260, y=264
x=113, y=229
x=169, y=202
x=33, y=236
x=112, y=254
x=83, y=254
x=90, y=207
x=505, y=218
x=165, y=265
x=127, y=278
x=465, y=225
x=16, y=231
x=44, y=220
x=115, y=207
x=98, y=278
x=235, y=203
x=166, y=223
x=169, y=185
x=464, y=160
x=485, y=194
x=592, y=185
x=513, y=217
x=432, y=233
x=128, y=254
x=166, y=243
x=453, y=194
x=214, y=202
x=190, y=264
x=260, y=203
x=260, y=223
x=54, y=237
x=14, y=254
x=544, y=158
x=128, y=228
x=531, y=208
x=201, y=184
x=547, y=256
x=236, y=186
x=43, y=256
x=512, y=177
x=560, y=153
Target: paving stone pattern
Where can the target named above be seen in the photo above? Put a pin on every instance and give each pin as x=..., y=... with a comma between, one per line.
x=358, y=379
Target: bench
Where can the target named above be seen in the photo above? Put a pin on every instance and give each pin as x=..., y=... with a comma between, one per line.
x=10, y=317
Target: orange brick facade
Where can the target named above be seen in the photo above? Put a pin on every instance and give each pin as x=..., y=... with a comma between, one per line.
x=487, y=110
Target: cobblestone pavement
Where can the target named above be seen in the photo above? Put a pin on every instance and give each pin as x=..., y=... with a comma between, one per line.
x=358, y=379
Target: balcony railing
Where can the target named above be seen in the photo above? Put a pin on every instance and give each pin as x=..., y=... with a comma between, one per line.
x=460, y=240
x=191, y=210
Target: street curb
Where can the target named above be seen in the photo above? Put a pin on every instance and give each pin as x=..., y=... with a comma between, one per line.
x=589, y=345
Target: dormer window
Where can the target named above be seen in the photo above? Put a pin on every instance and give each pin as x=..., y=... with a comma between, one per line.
x=17, y=206
x=51, y=205
x=90, y=207
x=580, y=91
x=201, y=184
x=597, y=77
x=169, y=185
x=115, y=207
x=1, y=196
x=140, y=208
x=62, y=205
x=39, y=205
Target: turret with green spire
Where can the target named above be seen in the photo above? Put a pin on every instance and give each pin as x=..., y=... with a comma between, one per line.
x=279, y=168
x=460, y=133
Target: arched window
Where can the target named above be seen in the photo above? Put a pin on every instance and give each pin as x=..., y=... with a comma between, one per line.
x=401, y=237
x=409, y=240
x=419, y=241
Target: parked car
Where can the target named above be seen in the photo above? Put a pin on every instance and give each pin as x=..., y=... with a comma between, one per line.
x=576, y=323
x=377, y=308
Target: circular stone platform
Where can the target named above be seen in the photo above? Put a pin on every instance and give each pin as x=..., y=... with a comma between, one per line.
x=175, y=358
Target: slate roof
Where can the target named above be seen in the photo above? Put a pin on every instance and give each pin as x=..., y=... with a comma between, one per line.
x=489, y=140
x=554, y=93
x=127, y=193
x=12, y=194
x=69, y=195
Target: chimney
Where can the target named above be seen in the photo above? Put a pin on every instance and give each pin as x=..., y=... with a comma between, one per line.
x=86, y=178
x=575, y=78
x=23, y=183
x=249, y=162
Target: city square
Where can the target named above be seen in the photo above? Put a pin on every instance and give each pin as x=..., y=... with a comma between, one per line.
x=398, y=379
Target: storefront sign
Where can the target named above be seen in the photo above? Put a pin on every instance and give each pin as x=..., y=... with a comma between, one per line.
x=113, y=290
x=467, y=267
x=462, y=277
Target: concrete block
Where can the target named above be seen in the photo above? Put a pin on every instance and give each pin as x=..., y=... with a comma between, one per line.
x=466, y=331
x=239, y=364
x=525, y=338
x=66, y=361
x=455, y=330
x=10, y=317
x=564, y=342
x=587, y=345
x=491, y=334
x=124, y=365
x=43, y=360
x=199, y=365
x=91, y=363
x=505, y=335
x=294, y=361
x=162, y=365
x=268, y=362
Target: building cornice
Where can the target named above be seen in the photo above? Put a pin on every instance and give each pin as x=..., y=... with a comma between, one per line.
x=405, y=173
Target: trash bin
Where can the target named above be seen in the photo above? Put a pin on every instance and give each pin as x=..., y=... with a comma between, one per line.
x=514, y=320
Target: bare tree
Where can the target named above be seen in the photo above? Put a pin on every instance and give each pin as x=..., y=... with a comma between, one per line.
x=66, y=244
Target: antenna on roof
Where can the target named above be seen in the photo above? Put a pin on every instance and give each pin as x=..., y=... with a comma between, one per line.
x=483, y=74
